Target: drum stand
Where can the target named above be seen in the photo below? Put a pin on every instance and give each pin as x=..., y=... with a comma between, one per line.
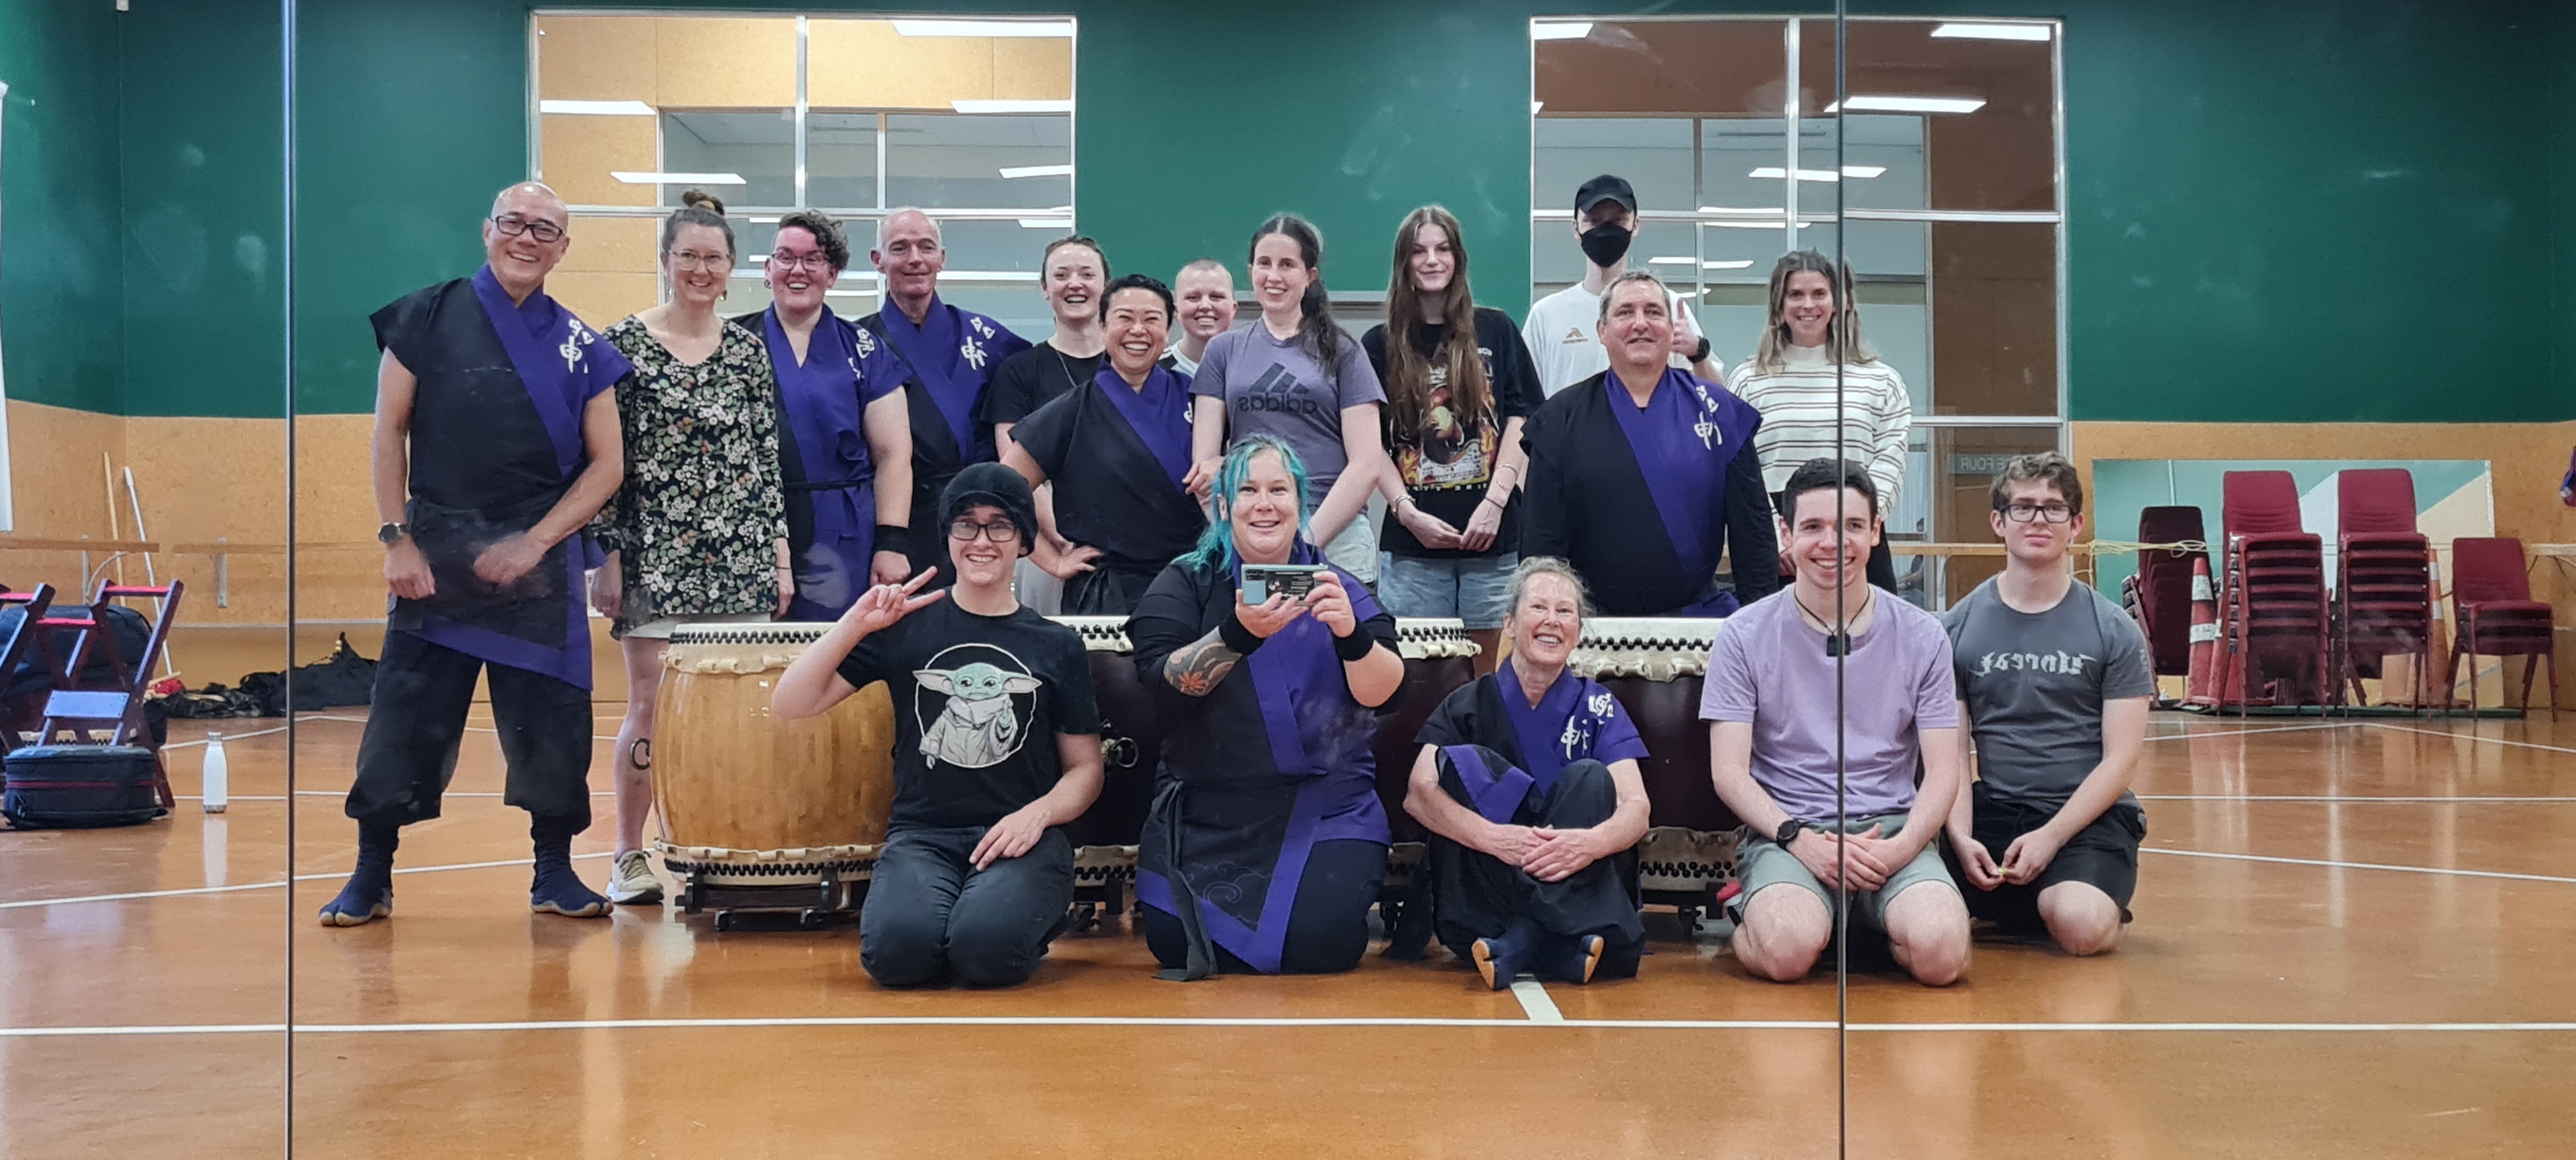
x=814, y=904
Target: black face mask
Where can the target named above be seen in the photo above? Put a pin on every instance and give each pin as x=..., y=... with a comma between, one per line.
x=1606, y=243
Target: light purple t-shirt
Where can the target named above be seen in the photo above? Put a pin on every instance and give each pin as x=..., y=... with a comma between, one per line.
x=1769, y=668
x=1272, y=387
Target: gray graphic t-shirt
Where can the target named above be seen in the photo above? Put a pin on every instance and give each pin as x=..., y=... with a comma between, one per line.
x=2035, y=683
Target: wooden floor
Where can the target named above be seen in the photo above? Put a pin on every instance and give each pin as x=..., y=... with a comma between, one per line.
x=2352, y=940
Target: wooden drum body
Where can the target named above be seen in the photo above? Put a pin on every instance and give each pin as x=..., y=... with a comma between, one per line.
x=1655, y=667
x=1439, y=659
x=1131, y=738
x=747, y=799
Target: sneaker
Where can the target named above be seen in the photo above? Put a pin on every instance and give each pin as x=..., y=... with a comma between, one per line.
x=633, y=883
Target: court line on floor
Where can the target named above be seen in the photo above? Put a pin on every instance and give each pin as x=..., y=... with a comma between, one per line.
x=2187, y=736
x=182, y=892
x=2440, y=870
x=1535, y=1002
x=2301, y=797
x=1276, y=1022
x=2472, y=737
x=227, y=737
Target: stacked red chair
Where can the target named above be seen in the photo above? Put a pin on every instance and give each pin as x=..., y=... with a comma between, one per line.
x=2273, y=615
x=2384, y=594
x=2493, y=614
x=2159, y=597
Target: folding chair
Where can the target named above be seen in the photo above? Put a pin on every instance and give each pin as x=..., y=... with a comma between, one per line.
x=75, y=711
x=35, y=602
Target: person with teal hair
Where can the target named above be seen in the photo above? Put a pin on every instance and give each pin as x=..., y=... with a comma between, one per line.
x=1266, y=844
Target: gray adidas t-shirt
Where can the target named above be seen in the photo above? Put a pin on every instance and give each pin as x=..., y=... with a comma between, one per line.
x=2035, y=684
x=1274, y=387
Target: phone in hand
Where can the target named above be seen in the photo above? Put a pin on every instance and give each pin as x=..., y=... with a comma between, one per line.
x=1291, y=580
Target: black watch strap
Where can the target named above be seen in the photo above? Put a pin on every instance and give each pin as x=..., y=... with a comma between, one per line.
x=1700, y=354
x=1788, y=831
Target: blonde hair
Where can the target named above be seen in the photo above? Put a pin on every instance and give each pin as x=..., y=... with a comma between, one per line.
x=1533, y=567
x=1843, y=341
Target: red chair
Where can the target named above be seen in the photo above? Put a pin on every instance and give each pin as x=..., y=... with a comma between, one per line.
x=76, y=707
x=2493, y=614
x=34, y=602
x=2159, y=596
x=2272, y=592
x=2384, y=593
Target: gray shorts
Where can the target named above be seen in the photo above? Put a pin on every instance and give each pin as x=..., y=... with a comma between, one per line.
x=1761, y=863
x=1475, y=589
x=1355, y=550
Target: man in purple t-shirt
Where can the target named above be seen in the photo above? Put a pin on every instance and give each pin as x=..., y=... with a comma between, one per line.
x=1777, y=727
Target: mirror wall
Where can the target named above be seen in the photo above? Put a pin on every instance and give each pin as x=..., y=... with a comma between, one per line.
x=143, y=484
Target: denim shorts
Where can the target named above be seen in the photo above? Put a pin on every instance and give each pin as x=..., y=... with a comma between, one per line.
x=1475, y=589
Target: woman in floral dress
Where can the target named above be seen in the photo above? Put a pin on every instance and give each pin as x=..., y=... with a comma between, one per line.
x=699, y=530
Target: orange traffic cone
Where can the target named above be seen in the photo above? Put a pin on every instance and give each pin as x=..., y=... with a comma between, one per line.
x=2200, y=687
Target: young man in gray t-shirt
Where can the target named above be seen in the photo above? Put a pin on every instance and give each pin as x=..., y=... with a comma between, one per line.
x=2054, y=683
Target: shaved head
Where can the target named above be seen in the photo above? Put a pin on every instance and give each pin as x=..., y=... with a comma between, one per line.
x=529, y=195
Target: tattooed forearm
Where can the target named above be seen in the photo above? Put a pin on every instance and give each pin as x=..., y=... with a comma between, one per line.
x=1196, y=667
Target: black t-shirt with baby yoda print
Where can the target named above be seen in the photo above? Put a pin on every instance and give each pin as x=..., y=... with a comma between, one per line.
x=978, y=702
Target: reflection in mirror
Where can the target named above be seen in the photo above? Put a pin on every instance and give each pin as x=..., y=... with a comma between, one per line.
x=142, y=546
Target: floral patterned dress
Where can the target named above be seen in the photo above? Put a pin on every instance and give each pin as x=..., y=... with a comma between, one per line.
x=697, y=522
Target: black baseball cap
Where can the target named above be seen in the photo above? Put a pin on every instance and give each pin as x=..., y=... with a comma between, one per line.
x=1601, y=189
x=994, y=484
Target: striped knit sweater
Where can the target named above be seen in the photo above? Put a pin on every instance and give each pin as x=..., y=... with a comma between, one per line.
x=1797, y=405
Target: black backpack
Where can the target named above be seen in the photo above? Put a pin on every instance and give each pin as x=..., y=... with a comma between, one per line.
x=81, y=787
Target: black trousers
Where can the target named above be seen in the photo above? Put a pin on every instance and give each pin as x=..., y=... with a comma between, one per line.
x=931, y=915
x=1327, y=923
x=408, y=753
x=1476, y=895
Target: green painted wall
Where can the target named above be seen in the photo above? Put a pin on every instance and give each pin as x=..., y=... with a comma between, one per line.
x=203, y=210
x=2288, y=212
x=60, y=273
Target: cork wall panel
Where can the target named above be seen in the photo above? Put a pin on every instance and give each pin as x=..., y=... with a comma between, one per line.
x=595, y=58
x=579, y=153
x=606, y=245
x=602, y=299
x=724, y=62
x=1032, y=68
x=864, y=64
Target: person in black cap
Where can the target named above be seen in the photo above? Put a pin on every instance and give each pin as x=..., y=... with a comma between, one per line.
x=1559, y=327
x=997, y=747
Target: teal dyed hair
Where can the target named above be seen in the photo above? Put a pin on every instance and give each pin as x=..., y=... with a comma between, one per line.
x=1216, y=545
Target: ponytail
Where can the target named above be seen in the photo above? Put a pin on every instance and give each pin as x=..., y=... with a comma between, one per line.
x=1317, y=334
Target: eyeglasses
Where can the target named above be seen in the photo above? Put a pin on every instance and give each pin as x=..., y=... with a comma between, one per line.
x=514, y=225
x=999, y=531
x=814, y=261
x=2055, y=513
x=693, y=260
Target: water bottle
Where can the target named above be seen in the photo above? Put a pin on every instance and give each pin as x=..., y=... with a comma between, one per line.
x=217, y=778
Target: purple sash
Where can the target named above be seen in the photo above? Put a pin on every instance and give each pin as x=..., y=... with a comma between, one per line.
x=1159, y=412
x=562, y=362
x=1683, y=440
x=1575, y=719
x=1496, y=796
x=563, y=365
x=825, y=415
x=951, y=353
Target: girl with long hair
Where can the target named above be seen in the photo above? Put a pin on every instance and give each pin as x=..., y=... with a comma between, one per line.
x=1823, y=393
x=1459, y=383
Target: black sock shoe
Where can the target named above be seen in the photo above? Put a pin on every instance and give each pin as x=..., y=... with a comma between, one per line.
x=555, y=888
x=1501, y=958
x=1569, y=958
x=369, y=894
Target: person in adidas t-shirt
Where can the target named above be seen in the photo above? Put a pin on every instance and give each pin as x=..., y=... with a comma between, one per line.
x=1559, y=327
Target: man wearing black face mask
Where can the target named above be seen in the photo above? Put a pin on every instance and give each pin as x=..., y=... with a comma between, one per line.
x=1559, y=329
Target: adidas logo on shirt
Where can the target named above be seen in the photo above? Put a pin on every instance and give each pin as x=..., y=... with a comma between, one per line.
x=1279, y=392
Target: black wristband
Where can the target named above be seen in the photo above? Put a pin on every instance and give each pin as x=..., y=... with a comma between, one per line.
x=894, y=538
x=1231, y=633
x=1700, y=352
x=1356, y=646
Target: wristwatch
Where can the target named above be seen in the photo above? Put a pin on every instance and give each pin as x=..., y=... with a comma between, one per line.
x=1700, y=353
x=1788, y=831
x=392, y=532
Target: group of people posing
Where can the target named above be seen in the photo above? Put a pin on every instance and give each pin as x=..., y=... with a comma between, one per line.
x=901, y=475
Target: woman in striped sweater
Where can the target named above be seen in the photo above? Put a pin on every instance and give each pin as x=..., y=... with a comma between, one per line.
x=1812, y=341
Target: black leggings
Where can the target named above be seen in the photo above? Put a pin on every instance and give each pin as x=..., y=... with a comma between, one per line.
x=1327, y=922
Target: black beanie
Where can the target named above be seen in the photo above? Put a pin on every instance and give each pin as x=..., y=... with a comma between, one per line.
x=994, y=484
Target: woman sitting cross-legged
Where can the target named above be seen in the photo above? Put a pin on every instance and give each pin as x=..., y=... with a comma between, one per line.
x=1529, y=785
